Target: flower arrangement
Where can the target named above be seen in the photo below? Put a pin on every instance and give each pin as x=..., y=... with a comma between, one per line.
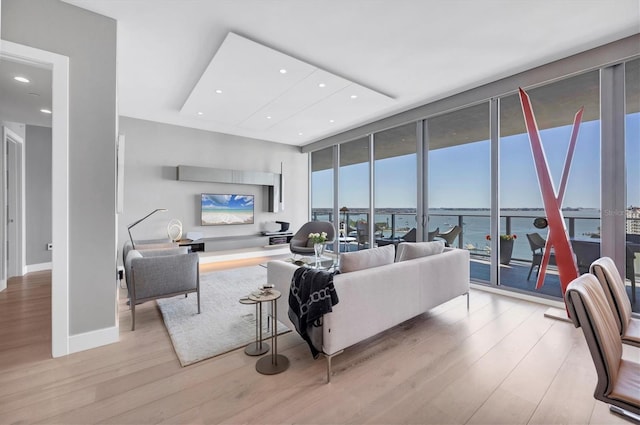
x=504, y=237
x=318, y=237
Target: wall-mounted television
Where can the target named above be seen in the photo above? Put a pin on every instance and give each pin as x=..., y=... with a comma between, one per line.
x=226, y=209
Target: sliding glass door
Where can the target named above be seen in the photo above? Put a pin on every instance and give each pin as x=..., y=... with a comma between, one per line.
x=521, y=202
x=459, y=192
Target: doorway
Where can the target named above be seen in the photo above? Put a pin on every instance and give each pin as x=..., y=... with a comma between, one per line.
x=59, y=66
x=14, y=199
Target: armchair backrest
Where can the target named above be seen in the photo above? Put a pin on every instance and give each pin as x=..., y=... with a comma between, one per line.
x=301, y=237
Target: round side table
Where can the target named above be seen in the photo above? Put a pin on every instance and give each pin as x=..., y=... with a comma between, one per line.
x=258, y=347
x=275, y=363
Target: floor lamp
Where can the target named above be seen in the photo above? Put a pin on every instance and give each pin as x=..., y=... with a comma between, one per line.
x=129, y=227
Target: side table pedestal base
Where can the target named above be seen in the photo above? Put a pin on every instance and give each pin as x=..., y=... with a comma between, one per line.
x=255, y=349
x=267, y=365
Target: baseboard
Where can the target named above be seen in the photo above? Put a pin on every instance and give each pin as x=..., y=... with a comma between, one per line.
x=93, y=339
x=30, y=268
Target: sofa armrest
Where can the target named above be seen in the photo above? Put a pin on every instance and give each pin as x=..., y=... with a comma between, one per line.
x=280, y=273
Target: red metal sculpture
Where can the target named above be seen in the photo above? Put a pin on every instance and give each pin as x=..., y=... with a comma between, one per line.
x=558, y=239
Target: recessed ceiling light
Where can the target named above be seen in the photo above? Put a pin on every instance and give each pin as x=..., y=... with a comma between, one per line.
x=45, y=111
x=299, y=134
x=200, y=113
x=269, y=117
x=321, y=85
x=21, y=79
x=331, y=120
x=354, y=96
x=283, y=71
x=219, y=91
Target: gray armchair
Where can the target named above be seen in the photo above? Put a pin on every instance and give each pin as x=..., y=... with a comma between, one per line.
x=160, y=273
x=300, y=243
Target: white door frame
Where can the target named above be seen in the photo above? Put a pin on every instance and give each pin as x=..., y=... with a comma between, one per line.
x=18, y=246
x=59, y=66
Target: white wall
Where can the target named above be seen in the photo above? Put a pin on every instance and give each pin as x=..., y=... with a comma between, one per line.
x=152, y=153
x=38, y=193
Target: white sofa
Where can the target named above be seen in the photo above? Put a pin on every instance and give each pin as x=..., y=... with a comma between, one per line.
x=375, y=299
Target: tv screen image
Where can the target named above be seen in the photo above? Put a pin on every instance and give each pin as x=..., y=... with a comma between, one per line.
x=226, y=209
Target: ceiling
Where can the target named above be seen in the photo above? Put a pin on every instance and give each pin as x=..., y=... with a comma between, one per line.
x=21, y=102
x=172, y=56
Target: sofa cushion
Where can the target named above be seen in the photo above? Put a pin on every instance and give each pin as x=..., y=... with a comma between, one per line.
x=366, y=259
x=413, y=250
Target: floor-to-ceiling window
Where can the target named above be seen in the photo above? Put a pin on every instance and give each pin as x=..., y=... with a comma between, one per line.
x=353, y=195
x=395, y=182
x=632, y=158
x=462, y=188
x=521, y=202
x=459, y=192
x=322, y=185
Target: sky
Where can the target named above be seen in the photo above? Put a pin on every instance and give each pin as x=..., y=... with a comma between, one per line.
x=459, y=176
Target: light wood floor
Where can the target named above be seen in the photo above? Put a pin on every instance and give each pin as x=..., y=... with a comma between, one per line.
x=501, y=362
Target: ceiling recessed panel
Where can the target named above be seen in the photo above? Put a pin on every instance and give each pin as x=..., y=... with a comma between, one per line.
x=258, y=89
x=313, y=89
x=344, y=108
x=242, y=77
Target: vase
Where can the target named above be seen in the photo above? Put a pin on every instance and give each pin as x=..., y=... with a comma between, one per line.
x=318, y=249
x=506, y=249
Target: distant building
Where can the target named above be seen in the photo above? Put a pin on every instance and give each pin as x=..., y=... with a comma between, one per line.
x=633, y=220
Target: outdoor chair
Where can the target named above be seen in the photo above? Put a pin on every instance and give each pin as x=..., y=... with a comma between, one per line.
x=617, y=382
x=614, y=288
x=537, y=244
x=586, y=252
x=300, y=243
x=431, y=235
x=450, y=235
x=362, y=234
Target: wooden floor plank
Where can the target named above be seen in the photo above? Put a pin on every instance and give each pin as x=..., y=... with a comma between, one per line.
x=500, y=361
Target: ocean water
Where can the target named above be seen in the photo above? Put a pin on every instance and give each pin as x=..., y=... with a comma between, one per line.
x=475, y=224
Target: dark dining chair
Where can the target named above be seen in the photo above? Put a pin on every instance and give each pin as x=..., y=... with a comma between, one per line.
x=586, y=252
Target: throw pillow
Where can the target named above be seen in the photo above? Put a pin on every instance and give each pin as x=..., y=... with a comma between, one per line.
x=366, y=259
x=413, y=250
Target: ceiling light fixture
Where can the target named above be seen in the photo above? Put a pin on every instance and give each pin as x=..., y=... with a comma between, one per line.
x=21, y=79
x=200, y=113
x=332, y=121
x=354, y=96
x=219, y=91
x=283, y=71
x=321, y=85
x=45, y=111
x=269, y=117
x=299, y=134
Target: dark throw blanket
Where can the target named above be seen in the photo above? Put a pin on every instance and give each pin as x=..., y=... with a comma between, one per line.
x=312, y=294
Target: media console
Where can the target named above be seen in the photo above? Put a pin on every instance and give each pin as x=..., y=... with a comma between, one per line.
x=226, y=243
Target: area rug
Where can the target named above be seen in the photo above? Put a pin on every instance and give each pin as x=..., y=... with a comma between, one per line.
x=224, y=324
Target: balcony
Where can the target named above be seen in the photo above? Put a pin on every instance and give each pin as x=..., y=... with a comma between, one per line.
x=475, y=224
